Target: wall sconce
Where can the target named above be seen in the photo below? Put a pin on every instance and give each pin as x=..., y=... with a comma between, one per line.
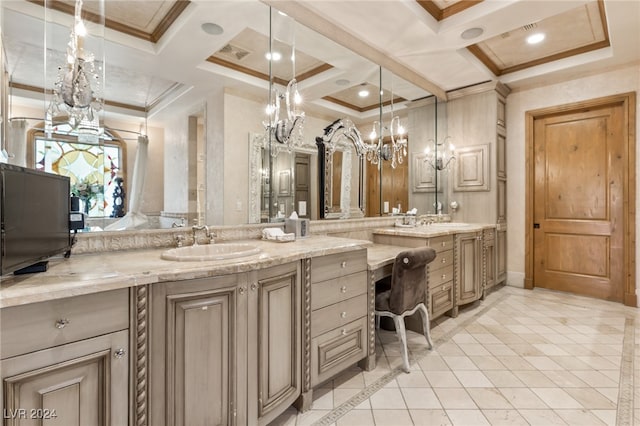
x=287, y=131
x=442, y=156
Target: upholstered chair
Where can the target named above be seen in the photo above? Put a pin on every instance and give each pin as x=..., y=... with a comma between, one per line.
x=407, y=294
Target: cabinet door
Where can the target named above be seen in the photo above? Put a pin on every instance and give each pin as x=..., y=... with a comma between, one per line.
x=77, y=384
x=278, y=339
x=468, y=278
x=193, y=354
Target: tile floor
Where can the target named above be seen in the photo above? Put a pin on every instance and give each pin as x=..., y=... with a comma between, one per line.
x=519, y=357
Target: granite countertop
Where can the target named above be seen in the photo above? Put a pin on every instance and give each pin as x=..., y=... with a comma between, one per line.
x=379, y=255
x=92, y=273
x=433, y=230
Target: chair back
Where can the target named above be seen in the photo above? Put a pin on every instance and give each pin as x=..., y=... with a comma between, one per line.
x=409, y=279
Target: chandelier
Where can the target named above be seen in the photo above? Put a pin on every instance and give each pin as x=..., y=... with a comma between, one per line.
x=396, y=150
x=76, y=90
x=443, y=154
x=288, y=130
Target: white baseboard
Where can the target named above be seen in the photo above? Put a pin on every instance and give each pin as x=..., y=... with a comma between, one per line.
x=515, y=279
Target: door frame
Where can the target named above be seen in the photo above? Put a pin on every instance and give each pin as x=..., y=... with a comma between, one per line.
x=628, y=103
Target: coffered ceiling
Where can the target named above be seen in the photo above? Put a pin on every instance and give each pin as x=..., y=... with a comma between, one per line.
x=156, y=52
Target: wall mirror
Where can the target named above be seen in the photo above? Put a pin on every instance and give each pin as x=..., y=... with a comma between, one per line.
x=200, y=106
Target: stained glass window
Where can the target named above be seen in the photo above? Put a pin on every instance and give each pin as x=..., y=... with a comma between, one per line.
x=92, y=169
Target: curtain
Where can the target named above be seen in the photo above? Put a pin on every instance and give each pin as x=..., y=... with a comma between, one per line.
x=135, y=219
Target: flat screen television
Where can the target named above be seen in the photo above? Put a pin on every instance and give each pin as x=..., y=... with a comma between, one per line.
x=34, y=217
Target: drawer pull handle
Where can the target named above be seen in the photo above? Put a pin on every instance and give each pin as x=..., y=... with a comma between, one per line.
x=343, y=289
x=444, y=260
x=343, y=315
x=343, y=265
x=120, y=353
x=344, y=332
x=444, y=276
x=62, y=323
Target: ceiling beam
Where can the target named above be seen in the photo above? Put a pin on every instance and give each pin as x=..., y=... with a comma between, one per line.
x=329, y=29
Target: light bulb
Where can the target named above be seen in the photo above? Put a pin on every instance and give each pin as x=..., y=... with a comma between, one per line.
x=276, y=56
x=80, y=29
x=373, y=135
x=400, y=130
x=297, y=98
x=363, y=93
x=452, y=148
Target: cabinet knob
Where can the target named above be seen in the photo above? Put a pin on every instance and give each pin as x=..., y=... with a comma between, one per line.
x=241, y=290
x=343, y=289
x=343, y=265
x=443, y=244
x=344, y=332
x=120, y=353
x=343, y=315
x=444, y=260
x=442, y=288
x=254, y=287
x=444, y=276
x=62, y=323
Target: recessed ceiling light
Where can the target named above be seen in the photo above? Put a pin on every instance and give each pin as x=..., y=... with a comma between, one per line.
x=470, y=33
x=275, y=55
x=535, y=38
x=343, y=82
x=211, y=28
x=363, y=93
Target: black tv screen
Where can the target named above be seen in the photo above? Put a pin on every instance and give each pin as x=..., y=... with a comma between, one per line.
x=34, y=216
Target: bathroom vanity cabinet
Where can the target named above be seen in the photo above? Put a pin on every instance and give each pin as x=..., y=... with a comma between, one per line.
x=66, y=361
x=227, y=349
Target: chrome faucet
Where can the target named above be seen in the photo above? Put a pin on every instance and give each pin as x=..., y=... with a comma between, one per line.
x=196, y=228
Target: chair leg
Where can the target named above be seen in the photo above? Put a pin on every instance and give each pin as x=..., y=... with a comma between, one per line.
x=402, y=336
x=425, y=324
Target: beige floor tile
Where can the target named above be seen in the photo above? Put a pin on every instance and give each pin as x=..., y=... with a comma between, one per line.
x=489, y=399
x=591, y=399
x=288, y=418
x=504, y=418
x=542, y=417
x=564, y=379
x=525, y=349
x=608, y=417
x=550, y=349
x=322, y=399
x=571, y=363
x=442, y=379
x=462, y=338
x=364, y=405
x=488, y=362
x=543, y=363
x=595, y=379
x=460, y=363
x=579, y=417
x=473, y=379
x=421, y=399
x=612, y=394
x=357, y=418
x=397, y=362
x=471, y=349
x=429, y=418
x=597, y=362
x=433, y=362
x=340, y=396
x=455, y=398
x=310, y=417
x=486, y=338
x=556, y=398
x=392, y=418
x=500, y=350
x=449, y=349
x=387, y=399
x=534, y=379
x=415, y=379
x=349, y=379
x=522, y=398
x=467, y=418
x=503, y=379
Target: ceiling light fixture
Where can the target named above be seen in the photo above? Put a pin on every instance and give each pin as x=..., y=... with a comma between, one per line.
x=471, y=33
x=276, y=56
x=535, y=38
x=363, y=92
x=396, y=150
x=211, y=28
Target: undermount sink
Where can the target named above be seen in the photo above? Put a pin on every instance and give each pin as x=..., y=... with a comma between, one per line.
x=210, y=252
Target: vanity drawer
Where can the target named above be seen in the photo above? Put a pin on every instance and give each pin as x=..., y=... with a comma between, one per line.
x=332, y=291
x=42, y=325
x=442, y=260
x=338, y=265
x=442, y=243
x=441, y=299
x=440, y=276
x=338, y=314
x=336, y=350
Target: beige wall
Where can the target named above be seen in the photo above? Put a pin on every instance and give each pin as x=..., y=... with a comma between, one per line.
x=518, y=103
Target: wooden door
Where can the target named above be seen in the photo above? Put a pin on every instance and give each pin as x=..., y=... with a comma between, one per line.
x=77, y=384
x=580, y=164
x=302, y=184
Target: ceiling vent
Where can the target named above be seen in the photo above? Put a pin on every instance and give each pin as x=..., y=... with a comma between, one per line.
x=505, y=35
x=529, y=27
x=234, y=52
